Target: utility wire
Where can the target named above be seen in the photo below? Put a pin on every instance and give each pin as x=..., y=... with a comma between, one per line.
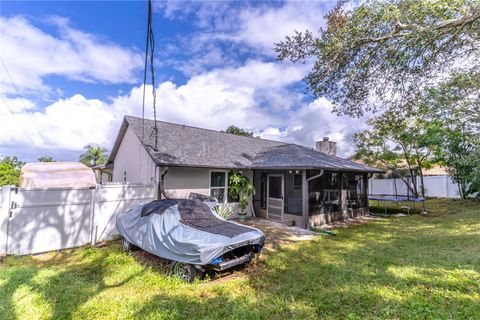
x=23, y=129
x=150, y=44
x=23, y=105
x=145, y=77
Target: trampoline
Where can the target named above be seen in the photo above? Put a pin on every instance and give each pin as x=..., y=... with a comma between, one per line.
x=397, y=198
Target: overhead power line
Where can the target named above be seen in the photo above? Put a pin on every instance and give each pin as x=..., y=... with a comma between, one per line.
x=23, y=106
x=23, y=129
x=150, y=44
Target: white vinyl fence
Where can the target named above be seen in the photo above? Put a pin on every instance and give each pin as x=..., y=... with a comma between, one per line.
x=435, y=186
x=40, y=220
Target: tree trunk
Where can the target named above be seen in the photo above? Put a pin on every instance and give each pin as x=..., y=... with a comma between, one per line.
x=401, y=178
x=422, y=182
x=460, y=189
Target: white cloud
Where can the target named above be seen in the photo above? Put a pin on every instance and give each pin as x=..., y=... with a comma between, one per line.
x=262, y=27
x=226, y=32
x=31, y=54
x=68, y=124
x=258, y=26
x=314, y=121
x=250, y=97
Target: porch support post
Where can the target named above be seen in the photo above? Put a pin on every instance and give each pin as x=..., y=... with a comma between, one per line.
x=305, y=198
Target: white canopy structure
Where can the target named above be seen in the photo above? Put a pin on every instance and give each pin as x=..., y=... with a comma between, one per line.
x=56, y=175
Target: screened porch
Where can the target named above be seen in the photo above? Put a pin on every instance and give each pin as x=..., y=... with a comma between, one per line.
x=309, y=197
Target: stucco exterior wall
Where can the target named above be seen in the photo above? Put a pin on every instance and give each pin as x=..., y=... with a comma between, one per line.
x=132, y=163
x=181, y=181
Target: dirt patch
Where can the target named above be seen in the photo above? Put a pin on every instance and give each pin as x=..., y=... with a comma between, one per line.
x=350, y=222
x=278, y=234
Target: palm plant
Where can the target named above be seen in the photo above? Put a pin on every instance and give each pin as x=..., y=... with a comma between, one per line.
x=94, y=156
x=223, y=211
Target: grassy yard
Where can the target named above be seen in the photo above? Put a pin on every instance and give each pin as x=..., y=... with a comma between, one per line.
x=413, y=267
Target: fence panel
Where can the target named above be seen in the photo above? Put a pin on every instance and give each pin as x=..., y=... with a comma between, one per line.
x=114, y=199
x=435, y=186
x=402, y=188
x=452, y=188
x=381, y=186
x=4, y=219
x=58, y=218
x=49, y=219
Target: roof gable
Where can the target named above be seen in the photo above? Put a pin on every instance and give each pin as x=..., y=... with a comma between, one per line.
x=181, y=145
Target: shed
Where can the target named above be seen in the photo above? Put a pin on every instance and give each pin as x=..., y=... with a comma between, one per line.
x=56, y=174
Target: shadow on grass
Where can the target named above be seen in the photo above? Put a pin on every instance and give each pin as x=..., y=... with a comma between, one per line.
x=67, y=288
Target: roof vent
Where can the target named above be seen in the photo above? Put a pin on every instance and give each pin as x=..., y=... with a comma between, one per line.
x=326, y=146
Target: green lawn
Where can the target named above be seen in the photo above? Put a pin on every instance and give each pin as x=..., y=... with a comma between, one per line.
x=413, y=267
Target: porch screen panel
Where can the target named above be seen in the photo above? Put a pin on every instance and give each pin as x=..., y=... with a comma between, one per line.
x=263, y=190
x=293, y=193
x=323, y=192
x=331, y=199
x=275, y=187
x=353, y=186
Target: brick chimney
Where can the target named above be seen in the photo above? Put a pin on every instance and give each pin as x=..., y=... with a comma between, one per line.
x=326, y=146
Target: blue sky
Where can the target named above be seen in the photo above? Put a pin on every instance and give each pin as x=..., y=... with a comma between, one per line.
x=76, y=69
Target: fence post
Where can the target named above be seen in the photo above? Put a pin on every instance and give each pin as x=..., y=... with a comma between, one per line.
x=4, y=219
x=446, y=187
x=95, y=211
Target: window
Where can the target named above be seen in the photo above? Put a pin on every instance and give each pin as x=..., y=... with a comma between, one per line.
x=218, y=185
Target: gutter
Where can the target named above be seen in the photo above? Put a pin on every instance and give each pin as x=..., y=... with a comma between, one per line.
x=161, y=183
x=307, y=192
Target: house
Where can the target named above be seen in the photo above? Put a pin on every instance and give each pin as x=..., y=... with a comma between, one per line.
x=293, y=183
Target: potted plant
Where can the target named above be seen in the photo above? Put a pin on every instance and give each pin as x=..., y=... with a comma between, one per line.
x=240, y=188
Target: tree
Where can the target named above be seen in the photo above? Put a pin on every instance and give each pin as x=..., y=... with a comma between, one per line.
x=377, y=54
x=442, y=125
x=397, y=143
x=454, y=108
x=10, y=171
x=239, y=131
x=45, y=159
x=94, y=156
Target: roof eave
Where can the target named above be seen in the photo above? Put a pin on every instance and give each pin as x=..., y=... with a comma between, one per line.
x=118, y=140
x=369, y=170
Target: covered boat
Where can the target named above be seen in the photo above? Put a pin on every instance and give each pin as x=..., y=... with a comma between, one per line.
x=190, y=232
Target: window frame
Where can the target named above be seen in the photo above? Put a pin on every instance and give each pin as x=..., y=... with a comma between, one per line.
x=225, y=187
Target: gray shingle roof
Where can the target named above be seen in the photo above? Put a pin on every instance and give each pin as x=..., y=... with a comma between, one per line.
x=299, y=157
x=180, y=145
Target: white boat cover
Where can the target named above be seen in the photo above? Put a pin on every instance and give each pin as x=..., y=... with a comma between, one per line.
x=56, y=175
x=184, y=230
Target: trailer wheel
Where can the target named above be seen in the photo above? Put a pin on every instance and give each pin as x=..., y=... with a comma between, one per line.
x=127, y=246
x=184, y=271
